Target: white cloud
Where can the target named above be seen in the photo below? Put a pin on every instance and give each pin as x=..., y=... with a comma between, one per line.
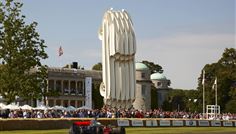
x=184, y=55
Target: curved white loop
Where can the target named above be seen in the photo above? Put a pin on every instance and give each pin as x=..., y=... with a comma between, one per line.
x=102, y=89
x=118, y=51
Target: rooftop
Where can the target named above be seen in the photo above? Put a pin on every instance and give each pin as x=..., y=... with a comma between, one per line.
x=158, y=76
x=141, y=66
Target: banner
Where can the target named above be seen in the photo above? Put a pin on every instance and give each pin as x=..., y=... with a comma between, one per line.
x=190, y=123
x=177, y=123
x=137, y=123
x=164, y=123
x=215, y=123
x=227, y=123
x=203, y=123
x=88, y=92
x=151, y=123
x=123, y=123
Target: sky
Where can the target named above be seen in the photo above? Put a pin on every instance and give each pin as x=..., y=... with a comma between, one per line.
x=180, y=35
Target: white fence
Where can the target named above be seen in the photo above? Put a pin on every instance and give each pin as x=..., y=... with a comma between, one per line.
x=174, y=123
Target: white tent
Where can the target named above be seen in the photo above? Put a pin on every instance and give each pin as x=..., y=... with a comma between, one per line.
x=58, y=108
x=84, y=107
x=70, y=108
x=42, y=107
x=2, y=105
x=26, y=107
x=11, y=107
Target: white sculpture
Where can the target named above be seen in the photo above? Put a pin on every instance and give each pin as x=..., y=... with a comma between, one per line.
x=118, y=51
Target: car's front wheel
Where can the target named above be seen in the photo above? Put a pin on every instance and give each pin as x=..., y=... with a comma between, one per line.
x=75, y=130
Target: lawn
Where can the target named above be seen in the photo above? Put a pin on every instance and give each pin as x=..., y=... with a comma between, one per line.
x=143, y=130
x=180, y=130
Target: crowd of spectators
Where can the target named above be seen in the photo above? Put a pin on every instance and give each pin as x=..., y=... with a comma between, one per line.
x=108, y=113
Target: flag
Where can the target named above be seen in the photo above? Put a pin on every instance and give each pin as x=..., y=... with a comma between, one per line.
x=214, y=85
x=203, y=77
x=60, y=51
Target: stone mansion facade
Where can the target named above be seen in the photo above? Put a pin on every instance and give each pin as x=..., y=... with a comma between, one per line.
x=70, y=82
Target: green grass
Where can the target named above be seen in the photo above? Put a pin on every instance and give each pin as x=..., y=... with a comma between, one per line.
x=143, y=130
x=58, y=131
x=180, y=130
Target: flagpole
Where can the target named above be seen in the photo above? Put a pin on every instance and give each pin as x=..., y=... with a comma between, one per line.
x=216, y=107
x=216, y=91
x=203, y=100
x=203, y=94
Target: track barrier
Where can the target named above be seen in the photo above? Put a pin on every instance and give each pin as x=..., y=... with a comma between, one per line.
x=47, y=123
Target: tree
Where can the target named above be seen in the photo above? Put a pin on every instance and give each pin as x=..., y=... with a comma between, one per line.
x=230, y=106
x=183, y=100
x=153, y=67
x=97, y=66
x=154, y=103
x=192, y=101
x=175, y=100
x=96, y=97
x=228, y=57
x=225, y=71
x=22, y=50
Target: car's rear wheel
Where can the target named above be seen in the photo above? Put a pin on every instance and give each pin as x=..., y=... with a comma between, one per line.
x=71, y=130
x=99, y=130
x=118, y=130
x=122, y=130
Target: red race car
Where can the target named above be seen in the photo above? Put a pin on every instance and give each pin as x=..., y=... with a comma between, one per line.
x=94, y=127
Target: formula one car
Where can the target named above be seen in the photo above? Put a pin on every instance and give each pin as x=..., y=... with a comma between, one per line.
x=94, y=127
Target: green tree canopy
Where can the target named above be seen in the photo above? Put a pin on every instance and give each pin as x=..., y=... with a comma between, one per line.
x=154, y=100
x=153, y=67
x=175, y=100
x=97, y=98
x=183, y=100
x=225, y=71
x=97, y=66
x=21, y=50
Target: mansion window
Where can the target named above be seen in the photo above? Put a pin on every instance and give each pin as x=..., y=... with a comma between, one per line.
x=159, y=96
x=72, y=103
x=72, y=87
x=80, y=87
x=158, y=84
x=143, y=75
x=58, y=85
x=51, y=84
x=65, y=103
x=79, y=104
x=58, y=102
x=66, y=87
x=50, y=103
x=143, y=90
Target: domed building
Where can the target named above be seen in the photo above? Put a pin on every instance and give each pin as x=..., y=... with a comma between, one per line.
x=162, y=85
x=143, y=87
x=70, y=83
